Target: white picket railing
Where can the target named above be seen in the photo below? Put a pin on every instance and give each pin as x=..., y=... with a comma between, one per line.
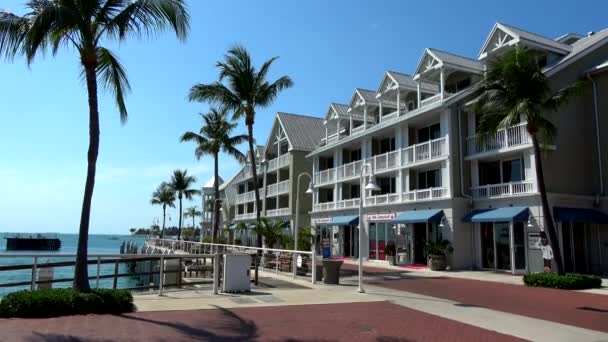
x=385, y=161
x=425, y=194
x=277, y=188
x=503, y=138
x=350, y=170
x=348, y=203
x=245, y=216
x=324, y=206
x=390, y=116
x=278, y=163
x=278, y=212
x=248, y=196
x=502, y=190
x=382, y=199
x=325, y=176
x=430, y=100
x=425, y=151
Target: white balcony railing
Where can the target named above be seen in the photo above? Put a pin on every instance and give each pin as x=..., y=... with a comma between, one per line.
x=278, y=188
x=245, y=216
x=278, y=163
x=385, y=161
x=325, y=176
x=502, y=190
x=324, y=206
x=382, y=199
x=425, y=194
x=350, y=170
x=425, y=151
x=348, y=203
x=248, y=196
x=357, y=129
x=278, y=212
x=390, y=116
x=504, y=138
x=430, y=100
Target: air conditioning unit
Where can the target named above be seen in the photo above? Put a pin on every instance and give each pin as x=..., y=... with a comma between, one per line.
x=236, y=273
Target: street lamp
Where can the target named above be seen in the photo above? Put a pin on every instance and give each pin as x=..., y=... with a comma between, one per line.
x=295, y=232
x=371, y=185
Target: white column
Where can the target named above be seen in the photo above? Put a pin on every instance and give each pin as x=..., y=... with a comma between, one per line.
x=380, y=111
x=445, y=176
x=474, y=173
x=419, y=94
x=398, y=145
x=351, y=124
x=442, y=83
x=530, y=169
x=365, y=116
x=338, y=129
x=326, y=135
x=398, y=102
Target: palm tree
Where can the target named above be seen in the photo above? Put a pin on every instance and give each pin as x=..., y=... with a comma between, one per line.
x=181, y=184
x=272, y=231
x=213, y=138
x=83, y=24
x=164, y=196
x=245, y=90
x=192, y=212
x=515, y=87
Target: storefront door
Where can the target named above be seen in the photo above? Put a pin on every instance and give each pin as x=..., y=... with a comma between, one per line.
x=419, y=243
x=573, y=241
x=495, y=246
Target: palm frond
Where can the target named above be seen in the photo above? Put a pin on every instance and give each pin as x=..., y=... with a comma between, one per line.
x=114, y=79
x=13, y=33
x=564, y=95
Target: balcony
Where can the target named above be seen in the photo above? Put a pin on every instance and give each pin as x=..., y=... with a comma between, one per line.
x=324, y=206
x=385, y=161
x=425, y=194
x=382, y=199
x=325, y=176
x=432, y=99
x=277, y=188
x=505, y=138
x=278, y=212
x=248, y=196
x=277, y=163
x=426, y=151
x=350, y=170
x=249, y=174
x=343, y=204
x=390, y=116
x=503, y=190
x=245, y=216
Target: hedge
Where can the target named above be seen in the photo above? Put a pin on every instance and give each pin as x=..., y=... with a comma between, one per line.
x=62, y=302
x=568, y=281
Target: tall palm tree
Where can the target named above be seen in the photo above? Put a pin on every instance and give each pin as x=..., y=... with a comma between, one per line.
x=244, y=91
x=83, y=25
x=192, y=212
x=164, y=196
x=215, y=137
x=515, y=87
x=181, y=184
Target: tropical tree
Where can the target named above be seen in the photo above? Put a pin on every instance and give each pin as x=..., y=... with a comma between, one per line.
x=132, y=230
x=84, y=25
x=164, y=196
x=514, y=88
x=215, y=137
x=272, y=231
x=192, y=212
x=181, y=184
x=244, y=90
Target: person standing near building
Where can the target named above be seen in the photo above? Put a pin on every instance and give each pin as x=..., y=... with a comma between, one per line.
x=543, y=245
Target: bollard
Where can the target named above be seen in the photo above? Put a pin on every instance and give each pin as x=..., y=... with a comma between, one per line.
x=98, y=266
x=257, y=264
x=34, y=268
x=216, y=273
x=161, y=279
x=294, y=264
x=115, y=285
x=314, y=267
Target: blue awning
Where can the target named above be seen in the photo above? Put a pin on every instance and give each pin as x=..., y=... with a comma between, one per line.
x=419, y=216
x=341, y=221
x=498, y=215
x=580, y=215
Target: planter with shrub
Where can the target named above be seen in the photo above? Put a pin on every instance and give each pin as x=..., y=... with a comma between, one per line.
x=436, y=252
x=568, y=281
x=63, y=302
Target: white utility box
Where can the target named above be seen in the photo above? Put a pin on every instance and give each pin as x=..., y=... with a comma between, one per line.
x=236, y=273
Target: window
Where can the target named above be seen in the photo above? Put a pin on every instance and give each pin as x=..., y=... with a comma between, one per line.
x=355, y=191
x=429, y=179
x=497, y=172
x=512, y=171
x=411, y=105
x=355, y=155
x=489, y=173
x=380, y=146
x=241, y=188
x=284, y=147
x=429, y=133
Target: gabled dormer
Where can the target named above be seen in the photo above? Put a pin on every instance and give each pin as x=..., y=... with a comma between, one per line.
x=449, y=72
x=398, y=94
x=503, y=37
x=364, y=109
x=336, y=122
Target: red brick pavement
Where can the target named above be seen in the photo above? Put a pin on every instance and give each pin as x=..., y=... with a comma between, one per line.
x=378, y=321
x=569, y=307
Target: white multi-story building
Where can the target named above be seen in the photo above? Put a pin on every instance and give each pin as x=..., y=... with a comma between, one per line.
x=440, y=179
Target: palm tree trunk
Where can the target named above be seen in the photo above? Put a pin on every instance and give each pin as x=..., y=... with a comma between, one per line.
x=162, y=232
x=216, y=196
x=179, y=229
x=549, y=225
x=254, y=172
x=81, y=273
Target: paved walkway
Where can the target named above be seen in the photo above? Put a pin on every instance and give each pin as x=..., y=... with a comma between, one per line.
x=378, y=321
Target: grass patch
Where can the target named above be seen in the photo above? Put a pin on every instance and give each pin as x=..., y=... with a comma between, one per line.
x=568, y=281
x=63, y=302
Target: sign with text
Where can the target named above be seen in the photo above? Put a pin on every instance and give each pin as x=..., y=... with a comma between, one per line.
x=533, y=239
x=324, y=220
x=380, y=217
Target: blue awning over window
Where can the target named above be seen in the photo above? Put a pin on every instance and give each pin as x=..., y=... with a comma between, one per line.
x=341, y=221
x=498, y=215
x=419, y=216
x=580, y=215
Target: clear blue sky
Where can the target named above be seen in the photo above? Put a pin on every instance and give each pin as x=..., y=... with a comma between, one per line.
x=327, y=47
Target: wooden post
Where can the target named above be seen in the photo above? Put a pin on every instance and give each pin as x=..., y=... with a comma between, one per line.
x=98, y=266
x=179, y=272
x=115, y=274
x=161, y=279
x=257, y=264
x=34, y=269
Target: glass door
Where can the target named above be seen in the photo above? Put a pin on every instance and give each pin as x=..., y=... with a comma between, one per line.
x=488, y=257
x=519, y=245
x=503, y=250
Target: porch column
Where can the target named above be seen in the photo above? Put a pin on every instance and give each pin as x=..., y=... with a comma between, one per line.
x=338, y=128
x=419, y=95
x=365, y=116
x=350, y=119
x=511, y=247
x=380, y=110
x=326, y=135
x=398, y=146
x=442, y=82
x=398, y=102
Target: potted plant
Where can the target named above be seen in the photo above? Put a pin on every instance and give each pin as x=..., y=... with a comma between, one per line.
x=436, y=252
x=390, y=252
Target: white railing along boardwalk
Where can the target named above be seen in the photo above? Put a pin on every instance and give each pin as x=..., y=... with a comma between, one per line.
x=425, y=194
x=502, y=190
x=503, y=138
x=278, y=188
x=278, y=212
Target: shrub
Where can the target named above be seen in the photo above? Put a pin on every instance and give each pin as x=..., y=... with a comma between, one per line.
x=568, y=281
x=61, y=302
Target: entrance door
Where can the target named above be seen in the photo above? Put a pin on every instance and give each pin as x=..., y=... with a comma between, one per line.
x=487, y=246
x=503, y=250
x=573, y=240
x=419, y=243
x=347, y=241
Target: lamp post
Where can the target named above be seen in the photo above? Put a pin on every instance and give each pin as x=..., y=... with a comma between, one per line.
x=296, y=228
x=371, y=185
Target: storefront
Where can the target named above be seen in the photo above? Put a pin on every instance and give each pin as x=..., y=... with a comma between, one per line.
x=382, y=235
x=337, y=237
x=413, y=229
x=506, y=239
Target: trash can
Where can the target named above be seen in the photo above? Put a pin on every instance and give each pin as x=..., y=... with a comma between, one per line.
x=331, y=271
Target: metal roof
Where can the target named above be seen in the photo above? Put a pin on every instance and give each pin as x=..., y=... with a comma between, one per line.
x=533, y=37
x=456, y=60
x=211, y=182
x=303, y=132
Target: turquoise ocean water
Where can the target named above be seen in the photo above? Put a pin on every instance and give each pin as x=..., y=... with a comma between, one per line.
x=98, y=244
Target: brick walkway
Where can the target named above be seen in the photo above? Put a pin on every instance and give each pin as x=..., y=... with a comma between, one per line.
x=377, y=321
x=584, y=310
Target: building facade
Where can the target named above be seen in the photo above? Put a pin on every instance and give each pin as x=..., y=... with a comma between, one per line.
x=416, y=137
